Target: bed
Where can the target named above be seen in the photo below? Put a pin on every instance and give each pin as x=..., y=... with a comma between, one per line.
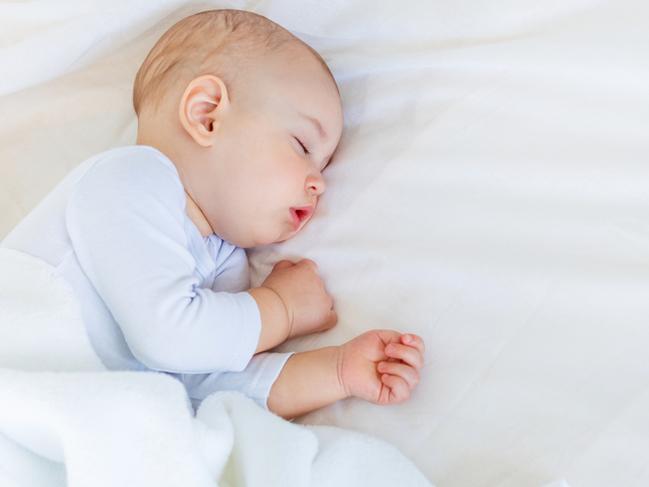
x=490, y=193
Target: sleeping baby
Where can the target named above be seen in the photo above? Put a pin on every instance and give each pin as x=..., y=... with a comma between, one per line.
x=237, y=119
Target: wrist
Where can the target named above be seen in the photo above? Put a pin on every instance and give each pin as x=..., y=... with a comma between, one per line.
x=309, y=380
x=340, y=368
x=275, y=326
x=287, y=313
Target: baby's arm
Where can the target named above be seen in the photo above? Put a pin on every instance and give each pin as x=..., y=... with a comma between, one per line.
x=126, y=221
x=308, y=381
x=292, y=301
x=233, y=277
x=275, y=326
x=380, y=366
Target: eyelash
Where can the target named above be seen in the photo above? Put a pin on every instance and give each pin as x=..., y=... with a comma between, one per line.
x=306, y=151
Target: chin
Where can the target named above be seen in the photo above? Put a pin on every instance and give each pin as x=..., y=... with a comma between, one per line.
x=237, y=240
x=283, y=237
x=261, y=238
x=249, y=243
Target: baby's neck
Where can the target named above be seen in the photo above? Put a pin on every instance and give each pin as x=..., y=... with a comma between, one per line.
x=196, y=215
x=193, y=211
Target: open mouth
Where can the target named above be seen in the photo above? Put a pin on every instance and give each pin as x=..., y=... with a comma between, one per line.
x=300, y=215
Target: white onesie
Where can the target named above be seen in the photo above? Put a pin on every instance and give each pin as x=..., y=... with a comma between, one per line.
x=155, y=294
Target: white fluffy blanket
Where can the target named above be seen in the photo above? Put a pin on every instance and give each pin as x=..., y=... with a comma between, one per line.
x=65, y=420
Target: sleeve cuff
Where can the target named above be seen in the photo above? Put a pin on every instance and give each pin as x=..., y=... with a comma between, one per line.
x=248, y=339
x=269, y=365
x=255, y=381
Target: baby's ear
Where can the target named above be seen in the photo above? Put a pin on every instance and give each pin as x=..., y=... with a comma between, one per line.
x=202, y=107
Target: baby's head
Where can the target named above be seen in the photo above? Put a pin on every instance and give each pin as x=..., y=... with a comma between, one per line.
x=249, y=114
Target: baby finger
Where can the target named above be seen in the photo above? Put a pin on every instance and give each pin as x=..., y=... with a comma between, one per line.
x=398, y=388
x=409, y=374
x=413, y=340
x=408, y=354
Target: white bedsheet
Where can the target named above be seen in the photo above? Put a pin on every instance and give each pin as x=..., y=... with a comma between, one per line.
x=490, y=193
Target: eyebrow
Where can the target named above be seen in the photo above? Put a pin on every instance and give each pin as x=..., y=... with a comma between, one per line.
x=316, y=123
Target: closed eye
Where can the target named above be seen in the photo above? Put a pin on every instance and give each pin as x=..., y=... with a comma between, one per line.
x=306, y=151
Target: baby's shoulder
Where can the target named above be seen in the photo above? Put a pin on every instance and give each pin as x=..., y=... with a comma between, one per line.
x=128, y=177
x=135, y=168
x=137, y=163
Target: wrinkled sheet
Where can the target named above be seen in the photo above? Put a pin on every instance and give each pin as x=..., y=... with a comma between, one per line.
x=489, y=193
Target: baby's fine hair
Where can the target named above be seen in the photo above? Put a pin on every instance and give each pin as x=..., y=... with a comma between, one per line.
x=225, y=43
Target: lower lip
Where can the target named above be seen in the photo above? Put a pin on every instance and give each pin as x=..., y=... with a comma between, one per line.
x=296, y=220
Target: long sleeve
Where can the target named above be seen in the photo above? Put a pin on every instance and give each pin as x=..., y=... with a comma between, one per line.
x=126, y=220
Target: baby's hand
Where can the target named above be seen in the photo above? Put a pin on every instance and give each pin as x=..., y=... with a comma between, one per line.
x=309, y=306
x=381, y=366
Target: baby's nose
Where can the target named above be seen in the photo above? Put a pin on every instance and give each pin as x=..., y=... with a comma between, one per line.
x=315, y=185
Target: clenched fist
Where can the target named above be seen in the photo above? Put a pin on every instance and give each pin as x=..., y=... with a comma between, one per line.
x=381, y=366
x=308, y=305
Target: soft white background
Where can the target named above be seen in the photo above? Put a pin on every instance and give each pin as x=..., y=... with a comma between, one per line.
x=490, y=193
